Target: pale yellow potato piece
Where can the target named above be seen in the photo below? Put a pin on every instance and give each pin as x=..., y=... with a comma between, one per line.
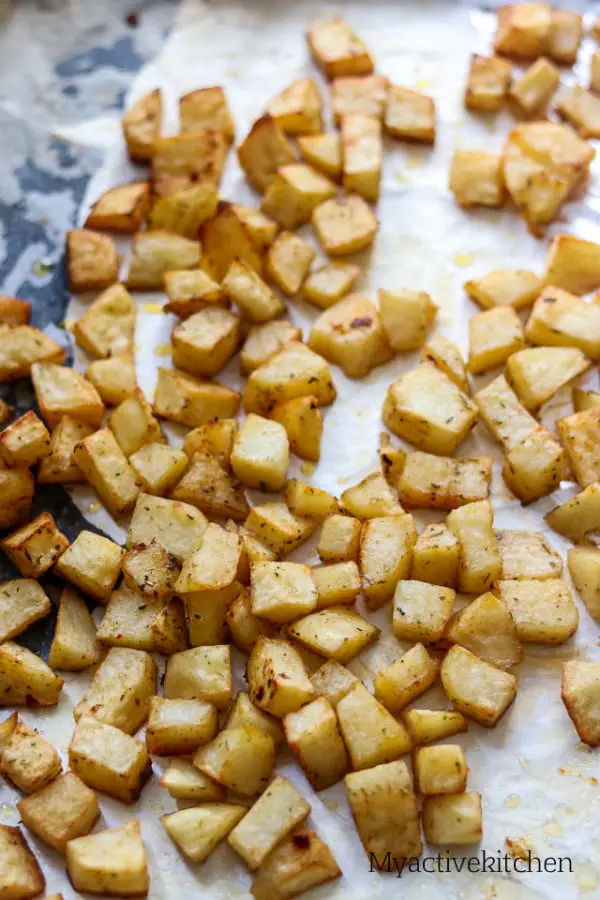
x=576, y=517
x=543, y=612
x=22, y=875
x=362, y=152
x=440, y=770
x=313, y=735
x=133, y=424
x=183, y=212
x=429, y=725
x=65, y=809
x=278, y=528
x=303, y=422
x=58, y=467
x=487, y=83
x=535, y=467
x=207, y=611
x=108, y=760
x=584, y=568
x=564, y=37
x=453, y=818
x=480, y=563
x=339, y=540
x=213, y=565
x=579, y=435
x=494, y=335
x=298, y=108
x=107, y=327
x=246, y=288
x=305, y=500
x=329, y=284
x=264, y=150
x=158, y=467
x=215, y=438
x=337, y=632
x=337, y=50
x=28, y=760
x=294, y=192
x=74, y=646
x=264, y=341
x=421, y=611
x=91, y=259
x=156, y=252
x=350, y=334
x=198, y=830
x=202, y=673
x=406, y=678
x=582, y=109
x=333, y=681
x=184, y=782
x=25, y=442
x=34, y=548
x=434, y=482
x=114, y=378
x=323, y=152
x=205, y=341
x=345, y=225
x=179, y=525
x=487, y=629
x=107, y=469
x=504, y=287
x=386, y=551
x=16, y=490
x=120, y=691
x=537, y=373
x=22, y=346
x=295, y=371
x=141, y=126
x=25, y=679
x=448, y=358
x=207, y=485
x=572, y=264
x=365, y=95
x=300, y=862
x=92, y=563
x=150, y=569
x=476, y=688
x=406, y=317
x=392, y=460
x=240, y=759
x=528, y=554
x=523, y=29
x=504, y=415
x=282, y=591
x=288, y=262
x=532, y=92
x=185, y=160
x=476, y=178
x=260, y=454
x=179, y=726
x=580, y=692
x=409, y=115
x=337, y=584
x=436, y=557
x=190, y=290
x=370, y=498
x=243, y=712
x=60, y=391
x=133, y=619
x=111, y=862
x=371, y=734
x=277, y=679
x=188, y=401
x=206, y=108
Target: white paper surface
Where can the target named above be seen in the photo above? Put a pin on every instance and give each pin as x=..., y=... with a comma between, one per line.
x=536, y=779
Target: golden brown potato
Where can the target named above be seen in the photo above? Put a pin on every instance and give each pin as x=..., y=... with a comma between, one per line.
x=409, y=115
x=435, y=482
x=584, y=569
x=22, y=602
x=576, y=517
x=34, y=548
x=293, y=194
x=429, y=725
x=295, y=371
x=337, y=632
x=114, y=378
x=205, y=341
x=185, y=160
x=365, y=95
x=249, y=292
x=108, y=760
x=308, y=501
x=213, y=565
x=179, y=525
x=487, y=83
x=183, y=212
x=528, y=554
x=202, y=673
x=122, y=209
x=264, y=340
x=344, y=225
x=494, y=335
x=74, y=646
x=564, y=36
x=21, y=346
x=25, y=442
x=120, y=691
x=63, y=810
x=337, y=50
x=579, y=436
x=386, y=549
x=580, y=692
x=543, y=612
x=60, y=391
x=303, y=422
x=158, y=467
x=440, y=770
x=107, y=327
x=16, y=495
x=476, y=178
x=208, y=487
x=58, y=467
x=288, y=261
x=300, y=862
x=537, y=373
x=480, y=563
x=263, y=151
x=215, y=438
x=436, y=557
x=177, y=727
x=453, y=818
x=281, y=591
x=504, y=287
x=240, y=759
x=28, y=760
x=350, y=334
x=108, y=471
x=22, y=875
x=111, y=862
x=206, y=109
x=487, y=628
x=533, y=91
x=92, y=563
x=421, y=611
x=278, y=528
x=198, y=830
x=181, y=398
x=333, y=681
x=323, y=152
x=154, y=253
x=476, y=688
x=406, y=678
x=581, y=109
x=298, y=108
x=92, y=260
x=572, y=264
x=190, y=290
x=25, y=679
x=246, y=628
x=141, y=126
x=371, y=734
x=277, y=679
x=523, y=30
x=14, y=311
x=406, y=317
x=132, y=619
x=329, y=284
x=225, y=238
x=362, y=152
x=184, y=782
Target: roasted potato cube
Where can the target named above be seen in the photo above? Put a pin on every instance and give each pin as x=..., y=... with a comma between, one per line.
x=282, y=591
x=527, y=554
x=177, y=727
x=534, y=468
x=434, y=482
x=493, y=336
x=572, y=265
x=245, y=628
x=16, y=493
x=141, y=126
x=277, y=679
x=428, y=725
x=329, y=284
x=185, y=160
x=339, y=540
x=298, y=108
x=264, y=341
x=60, y=391
x=427, y=408
x=543, y=612
x=271, y=818
x=344, y=225
x=264, y=150
x=576, y=517
x=581, y=109
x=183, y=212
x=189, y=401
x=206, y=109
x=303, y=423
x=421, y=611
x=392, y=460
x=25, y=679
x=564, y=36
x=293, y=194
x=584, y=568
x=202, y=673
x=22, y=602
x=184, y=782
x=476, y=178
x=350, y=334
x=241, y=759
x=260, y=455
x=409, y=115
x=362, y=152
x=34, y=548
x=487, y=629
x=365, y=95
x=25, y=442
x=504, y=287
x=92, y=260
x=58, y=467
x=190, y=290
x=150, y=569
x=204, y=342
x=305, y=500
x=314, y=736
x=480, y=564
x=386, y=549
x=121, y=209
x=107, y=469
x=333, y=681
x=300, y=862
x=337, y=632
x=28, y=760
x=523, y=30
x=134, y=620
x=63, y=810
x=198, y=830
x=74, y=645
x=532, y=92
x=92, y=563
x=282, y=532
x=436, y=556
x=213, y=565
x=110, y=862
x=579, y=436
x=179, y=525
x=206, y=612
x=476, y=688
x=157, y=252
x=406, y=678
x=246, y=288
x=22, y=876
x=215, y=438
x=288, y=261
x=243, y=712
x=440, y=770
x=295, y=371
x=336, y=584
x=114, y=378
x=537, y=373
x=371, y=498
x=22, y=346
x=14, y=311
x=337, y=50
x=372, y=735
x=406, y=317
x=158, y=467
x=226, y=238
x=120, y=691
x=487, y=83
x=505, y=417
x=323, y=152
x=453, y=818
x=580, y=692
x=108, y=760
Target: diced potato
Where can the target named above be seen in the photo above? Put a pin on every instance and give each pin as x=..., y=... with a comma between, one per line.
x=337, y=50
x=278, y=528
x=185, y=160
x=406, y=317
x=329, y=284
x=133, y=619
x=263, y=151
x=523, y=29
x=572, y=265
x=528, y=554
x=253, y=550
x=339, y=540
x=288, y=261
x=184, y=782
x=202, y=673
x=487, y=83
x=211, y=489
x=436, y=556
x=74, y=645
x=504, y=287
x=392, y=460
x=120, y=691
x=576, y=517
x=14, y=311
x=313, y=735
x=303, y=423
x=505, y=417
x=427, y=408
x=246, y=288
x=204, y=342
x=434, y=482
x=579, y=435
x=243, y=712
x=206, y=109
x=295, y=371
x=480, y=564
x=535, y=467
x=370, y=498
x=58, y=467
x=323, y=152
x=270, y=820
x=409, y=115
x=453, y=818
x=543, y=612
x=110, y=862
x=25, y=679
x=63, y=810
x=305, y=500
x=476, y=178
x=260, y=454
x=362, y=152
x=384, y=809
x=493, y=336
x=22, y=602
x=114, y=378
x=440, y=770
x=337, y=584
x=189, y=401
x=28, y=760
x=158, y=467
x=282, y=591
x=584, y=568
x=133, y=424
x=177, y=727
x=198, y=830
x=91, y=259
x=332, y=681
x=476, y=688
x=564, y=37
x=585, y=399
x=264, y=341
x=107, y=327
x=537, y=373
x=372, y=735
x=293, y=194
x=386, y=549
x=190, y=290
x=298, y=108
x=206, y=612
x=108, y=760
x=215, y=438
x=365, y=95
x=179, y=526
x=22, y=346
x=241, y=759
x=213, y=565
x=581, y=109
x=300, y=862
x=345, y=225
x=429, y=725
x=337, y=632
x=25, y=442
x=16, y=495
x=141, y=126
x=92, y=563
x=277, y=679
x=34, y=548
x=487, y=629
x=106, y=467
x=421, y=611
x=350, y=334
x=532, y=92
x=225, y=238
x=406, y=678
x=121, y=209
x=580, y=692
x=60, y=391
x=22, y=875
x=157, y=252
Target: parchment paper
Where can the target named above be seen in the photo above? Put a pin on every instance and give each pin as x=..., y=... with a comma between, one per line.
x=537, y=780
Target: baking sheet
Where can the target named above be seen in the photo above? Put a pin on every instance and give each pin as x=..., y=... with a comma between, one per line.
x=537, y=780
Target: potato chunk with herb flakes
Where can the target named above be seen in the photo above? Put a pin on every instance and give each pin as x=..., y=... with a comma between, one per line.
x=58, y=467
x=110, y=862
x=336, y=584
x=576, y=517
x=421, y=611
x=505, y=417
x=63, y=810
x=21, y=346
x=198, y=830
x=294, y=371
x=476, y=178
x=282, y=591
x=386, y=549
x=480, y=563
x=339, y=540
x=28, y=760
x=323, y=152
x=288, y=262
x=493, y=336
x=34, y=548
x=429, y=725
x=184, y=782
x=362, y=152
x=243, y=712
x=215, y=438
x=579, y=435
x=504, y=287
x=544, y=612
x=22, y=874
x=206, y=341
x=92, y=260
x=337, y=632
x=121, y=209
x=25, y=679
x=141, y=126
x=108, y=760
x=180, y=726
x=246, y=288
x=158, y=467
x=107, y=469
x=370, y=498
x=132, y=619
x=264, y=341
x=584, y=568
x=202, y=673
x=25, y=442
x=277, y=679
x=22, y=602
x=406, y=678
x=293, y=194
x=92, y=563
x=329, y=284
x=476, y=688
x=448, y=359
x=300, y=862
x=60, y=391
x=533, y=91
x=206, y=109
x=440, y=770
x=580, y=692
x=434, y=482
x=114, y=378
x=179, y=525
x=406, y=317
x=264, y=150
x=244, y=627
x=241, y=759
x=185, y=160
x=157, y=252
x=74, y=645
x=409, y=115
x=523, y=30
x=278, y=528
x=16, y=492
x=337, y=50
x=453, y=818
x=537, y=373
x=350, y=334
x=186, y=400
x=260, y=454
x=528, y=554
x=120, y=691
x=107, y=327
x=213, y=564
x=436, y=556
x=371, y=734
x=183, y=212
x=333, y=681
x=298, y=108
x=303, y=422
x=308, y=501
x=487, y=628
x=225, y=238
x=211, y=489
x=487, y=83
x=344, y=225
x=364, y=95
x=190, y=290
x=133, y=424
